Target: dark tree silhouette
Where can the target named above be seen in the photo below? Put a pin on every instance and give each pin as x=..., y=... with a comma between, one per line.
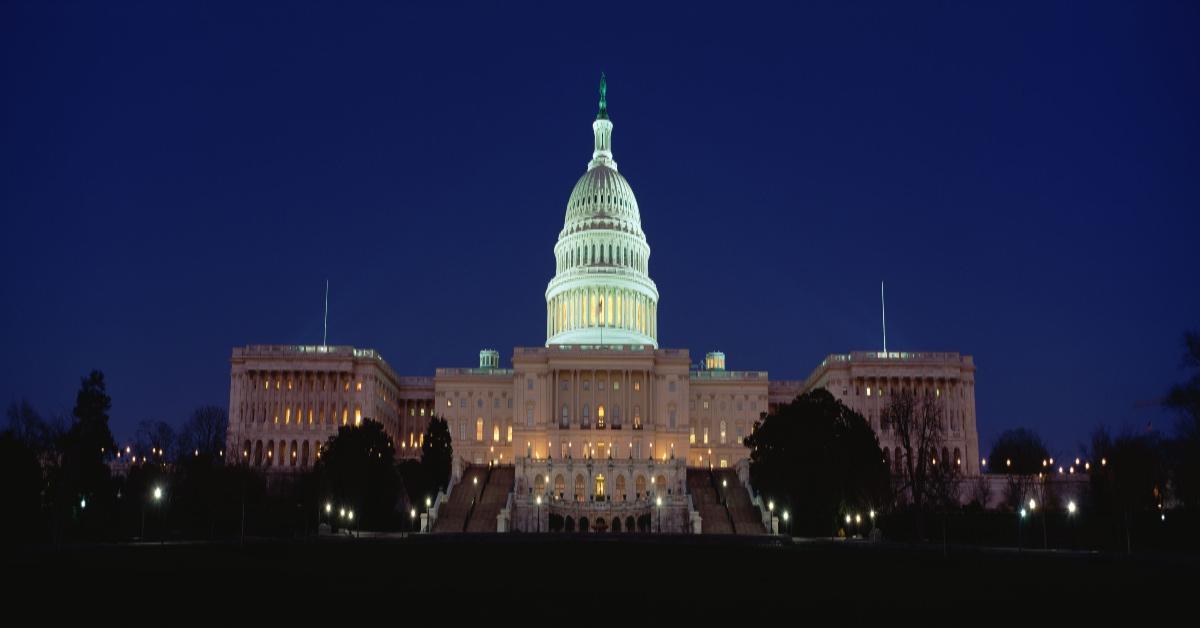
x=916, y=420
x=1130, y=480
x=156, y=440
x=1184, y=398
x=818, y=459
x=357, y=470
x=436, y=453
x=83, y=474
x=1021, y=455
x=21, y=485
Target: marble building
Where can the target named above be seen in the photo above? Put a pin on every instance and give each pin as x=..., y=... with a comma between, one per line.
x=598, y=422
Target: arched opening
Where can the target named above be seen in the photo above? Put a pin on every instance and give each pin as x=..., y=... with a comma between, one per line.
x=270, y=452
x=583, y=524
x=640, y=486
x=555, y=522
x=569, y=524
x=304, y=455
x=621, y=488
x=560, y=485
x=580, y=488
x=616, y=524
x=258, y=453
x=539, y=484
x=643, y=523
x=629, y=524
x=660, y=484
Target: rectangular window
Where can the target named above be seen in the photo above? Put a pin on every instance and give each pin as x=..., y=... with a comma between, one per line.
x=528, y=417
x=706, y=436
x=692, y=436
x=529, y=384
x=479, y=429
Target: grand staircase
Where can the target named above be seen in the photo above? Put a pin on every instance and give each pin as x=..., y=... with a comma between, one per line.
x=500, y=483
x=453, y=514
x=714, y=518
x=745, y=515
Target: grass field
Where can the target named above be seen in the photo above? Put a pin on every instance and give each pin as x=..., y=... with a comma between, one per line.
x=589, y=579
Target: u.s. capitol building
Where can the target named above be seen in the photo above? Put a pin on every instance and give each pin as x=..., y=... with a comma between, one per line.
x=599, y=427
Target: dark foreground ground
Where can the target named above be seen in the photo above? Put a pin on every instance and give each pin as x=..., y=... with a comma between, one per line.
x=566, y=580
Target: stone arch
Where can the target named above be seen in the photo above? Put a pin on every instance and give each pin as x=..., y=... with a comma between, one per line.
x=583, y=524
x=580, y=487
x=629, y=524
x=640, y=486
x=560, y=485
x=616, y=524
x=569, y=524
x=539, y=484
x=619, y=487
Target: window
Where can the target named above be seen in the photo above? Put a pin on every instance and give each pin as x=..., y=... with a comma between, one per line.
x=722, y=432
x=671, y=418
x=357, y=385
x=616, y=417
x=705, y=435
x=637, y=386
x=616, y=385
x=462, y=429
x=510, y=403
x=495, y=431
x=479, y=429
x=357, y=415
x=587, y=385
x=692, y=436
x=566, y=417
x=671, y=386
x=587, y=416
x=600, y=416
x=479, y=403
x=528, y=417
x=705, y=405
x=448, y=404
x=529, y=383
x=496, y=403
x=462, y=403
x=637, y=417
x=509, y=437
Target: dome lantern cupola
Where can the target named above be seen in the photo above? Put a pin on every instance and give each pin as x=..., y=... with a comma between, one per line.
x=601, y=293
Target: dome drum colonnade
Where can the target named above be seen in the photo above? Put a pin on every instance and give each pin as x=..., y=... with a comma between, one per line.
x=602, y=292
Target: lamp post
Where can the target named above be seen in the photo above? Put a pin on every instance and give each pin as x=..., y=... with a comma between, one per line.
x=658, y=504
x=787, y=526
x=1019, y=521
x=1071, y=508
x=1032, y=509
x=539, y=513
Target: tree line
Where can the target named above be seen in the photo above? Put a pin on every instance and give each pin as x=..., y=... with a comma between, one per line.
x=820, y=461
x=65, y=479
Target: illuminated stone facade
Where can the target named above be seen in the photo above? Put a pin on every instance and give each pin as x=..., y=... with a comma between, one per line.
x=600, y=422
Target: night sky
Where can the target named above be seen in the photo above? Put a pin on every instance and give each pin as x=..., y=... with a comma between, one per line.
x=179, y=180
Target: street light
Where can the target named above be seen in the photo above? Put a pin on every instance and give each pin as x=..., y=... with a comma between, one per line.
x=539, y=513
x=658, y=503
x=158, y=493
x=1071, y=507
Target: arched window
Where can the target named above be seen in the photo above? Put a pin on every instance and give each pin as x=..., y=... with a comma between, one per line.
x=580, y=487
x=560, y=485
x=660, y=484
x=495, y=431
x=621, y=488
x=600, y=416
x=640, y=486
x=258, y=453
x=566, y=417
x=270, y=453
x=479, y=429
x=295, y=453
x=539, y=484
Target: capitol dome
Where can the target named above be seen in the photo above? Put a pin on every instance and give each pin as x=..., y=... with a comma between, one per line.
x=601, y=293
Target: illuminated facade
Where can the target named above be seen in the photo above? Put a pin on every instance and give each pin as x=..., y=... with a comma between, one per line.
x=599, y=423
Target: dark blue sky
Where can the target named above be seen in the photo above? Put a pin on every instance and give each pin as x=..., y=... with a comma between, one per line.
x=177, y=180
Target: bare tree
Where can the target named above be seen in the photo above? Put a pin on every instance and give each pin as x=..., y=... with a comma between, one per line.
x=916, y=419
x=204, y=431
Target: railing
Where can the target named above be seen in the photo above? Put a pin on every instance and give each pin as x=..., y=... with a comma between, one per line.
x=728, y=374
x=473, y=371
